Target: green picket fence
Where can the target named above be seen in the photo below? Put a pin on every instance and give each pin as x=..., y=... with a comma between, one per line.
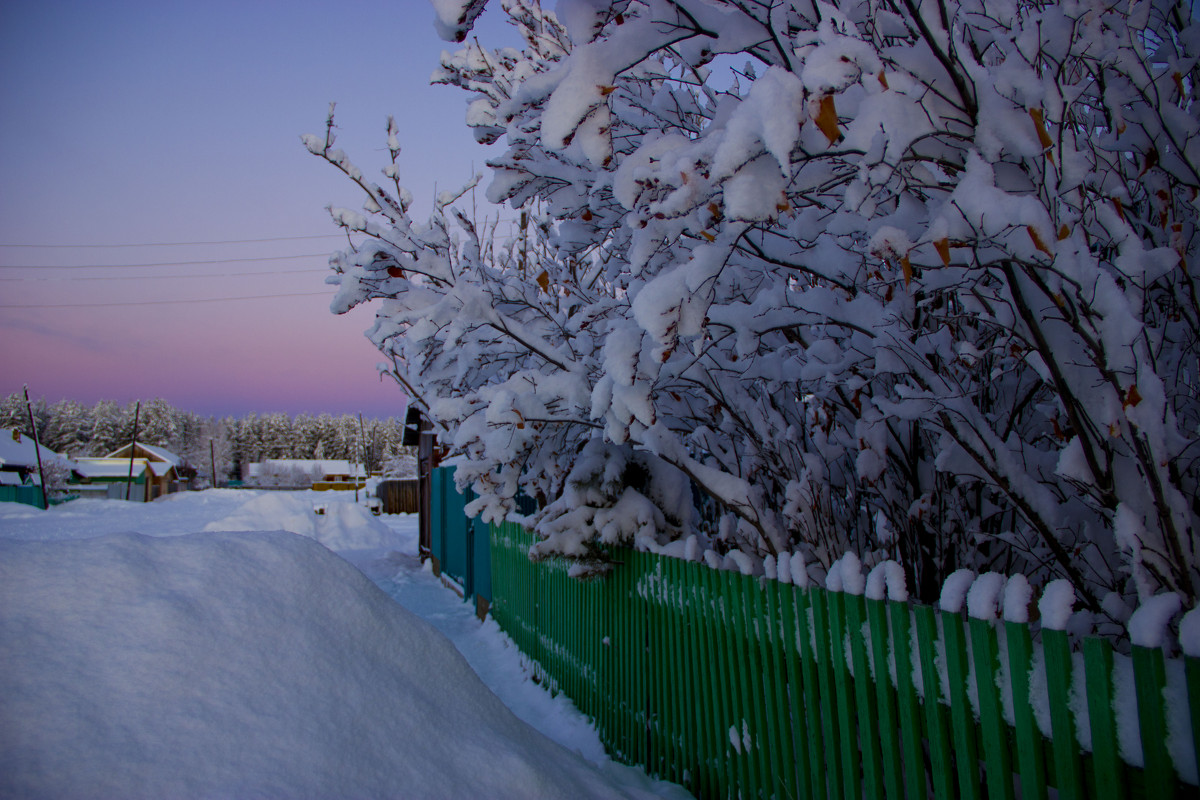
x=737, y=686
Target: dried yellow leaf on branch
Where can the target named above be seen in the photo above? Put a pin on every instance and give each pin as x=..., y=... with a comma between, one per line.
x=543, y=281
x=943, y=249
x=1036, y=238
x=1132, y=397
x=827, y=119
x=1039, y=123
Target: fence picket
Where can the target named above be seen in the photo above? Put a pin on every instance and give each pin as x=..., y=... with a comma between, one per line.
x=865, y=701
x=704, y=695
x=814, y=690
x=966, y=748
x=1191, y=673
x=985, y=650
x=759, y=678
x=1098, y=666
x=829, y=720
x=888, y=729
x=1030, y=755
x=1149, y=678
x=844, y=697
x=1068, y=774
x=935, y=714
x=907, y=703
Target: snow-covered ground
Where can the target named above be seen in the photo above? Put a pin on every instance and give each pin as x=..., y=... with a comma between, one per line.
x=188, y=647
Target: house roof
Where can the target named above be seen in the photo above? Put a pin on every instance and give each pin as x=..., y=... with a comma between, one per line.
x=152, y=453
x=20, y=452
x=159, y=468
x=109, y=467
x=326, y=466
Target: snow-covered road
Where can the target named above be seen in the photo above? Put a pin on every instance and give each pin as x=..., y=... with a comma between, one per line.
x=190, y=647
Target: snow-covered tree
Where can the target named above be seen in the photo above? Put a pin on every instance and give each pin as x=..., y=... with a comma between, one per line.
x=912, y=279
x=157, y=423
x=401, y=465
x=68, y=426
x=109, y=428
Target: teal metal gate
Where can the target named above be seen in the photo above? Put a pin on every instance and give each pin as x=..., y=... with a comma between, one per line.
x=460, y=545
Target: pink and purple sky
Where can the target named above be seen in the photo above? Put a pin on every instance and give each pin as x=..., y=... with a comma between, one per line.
x=133, y=122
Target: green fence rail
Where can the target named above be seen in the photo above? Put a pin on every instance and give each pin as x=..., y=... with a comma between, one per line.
x=738, y=686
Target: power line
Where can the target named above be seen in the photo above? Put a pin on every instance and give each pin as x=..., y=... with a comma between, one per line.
x=166, y=277
x=188, y=244
x=170, y=302
x=161, y=263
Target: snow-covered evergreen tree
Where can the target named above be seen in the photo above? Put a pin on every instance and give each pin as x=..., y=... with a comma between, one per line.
x=107, y=429
x=157, y=423
x=68, y=428
x=13, y=413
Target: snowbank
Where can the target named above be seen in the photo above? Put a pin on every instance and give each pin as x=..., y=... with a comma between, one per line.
x=344, y=525
x=248, y=664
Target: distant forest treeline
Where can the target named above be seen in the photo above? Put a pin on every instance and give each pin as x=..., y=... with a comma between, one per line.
x=75, y=429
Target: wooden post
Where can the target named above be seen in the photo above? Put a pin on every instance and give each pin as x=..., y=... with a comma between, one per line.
x=212, y=461
x=362, y=447
x=137, y=410
x=426, y=445
x=37, y=450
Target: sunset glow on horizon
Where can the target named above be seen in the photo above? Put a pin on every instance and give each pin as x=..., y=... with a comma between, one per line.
x=137, y=128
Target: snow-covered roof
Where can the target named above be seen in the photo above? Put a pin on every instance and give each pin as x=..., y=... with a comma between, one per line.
x=10, y=478
x=154, y=453
x=109, y=467
x=160, y=468
x=20, y=451
x=326, y=466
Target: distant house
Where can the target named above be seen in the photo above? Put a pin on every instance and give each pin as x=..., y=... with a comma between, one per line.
x=141, y=471
x=19, y=478
x=298, y=472
x=19, y=459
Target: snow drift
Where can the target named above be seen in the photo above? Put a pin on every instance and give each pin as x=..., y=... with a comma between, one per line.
x=249, y=665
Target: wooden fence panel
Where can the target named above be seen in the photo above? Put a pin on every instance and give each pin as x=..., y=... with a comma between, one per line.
x=739, y=686
x=399, y=496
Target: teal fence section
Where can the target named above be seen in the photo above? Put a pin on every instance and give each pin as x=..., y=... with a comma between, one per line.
x=460, y=544
x=29, y=495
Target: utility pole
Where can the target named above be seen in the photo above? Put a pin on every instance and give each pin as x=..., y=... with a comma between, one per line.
x=137, y=410
x=212, y=461
x=37, y=449
x=362, y=446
